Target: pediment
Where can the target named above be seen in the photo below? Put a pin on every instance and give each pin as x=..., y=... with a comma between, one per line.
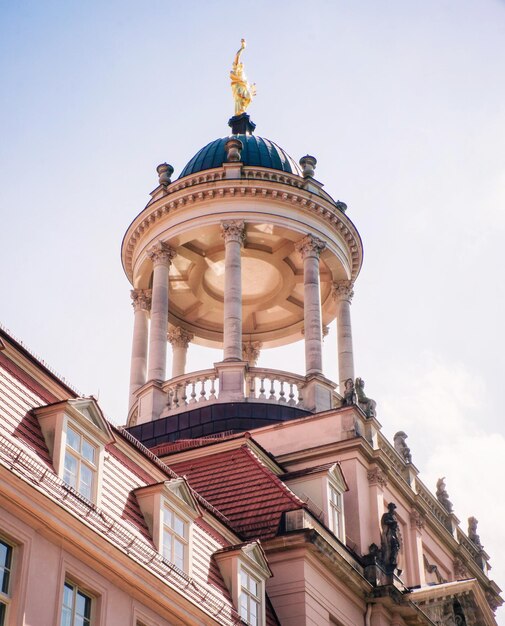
x=336, y=475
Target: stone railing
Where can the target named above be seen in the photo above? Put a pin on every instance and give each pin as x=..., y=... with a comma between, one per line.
x=197, y=387
x=259, y=385
x=266, y=385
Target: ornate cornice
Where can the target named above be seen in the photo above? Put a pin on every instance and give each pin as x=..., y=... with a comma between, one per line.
x=234, y=230
x=310, y=246
x=141, y=299
x=161, y=253
x=179, y=337
x=263, y=185
x=342, y=290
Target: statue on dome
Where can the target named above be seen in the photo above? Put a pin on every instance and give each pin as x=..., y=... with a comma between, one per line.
x=243, y=91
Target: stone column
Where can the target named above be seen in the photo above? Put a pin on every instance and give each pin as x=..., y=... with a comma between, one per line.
x=233, y=235
x=179, y=338
x=310, y=248
x=161, y=255
x=343, y=292
x=141, y=301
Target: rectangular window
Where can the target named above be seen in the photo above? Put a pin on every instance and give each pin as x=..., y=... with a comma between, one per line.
x=80, y=464
x=76, y=608
x=250, y=598
x=335, y=511
x=175, y=538
x=5, y=580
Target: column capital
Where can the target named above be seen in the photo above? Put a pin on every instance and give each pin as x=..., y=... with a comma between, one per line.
x=310, y=246
x=161, y=253
x=179, y=337
x=251, y=352
x=141, y=299
x=342, y=290
x=233, y=230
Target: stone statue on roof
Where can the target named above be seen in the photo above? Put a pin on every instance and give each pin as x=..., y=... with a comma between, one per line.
x=243, y=91
x=367, y=405
x=401, y=446
x=443, y=496
x=472, y=531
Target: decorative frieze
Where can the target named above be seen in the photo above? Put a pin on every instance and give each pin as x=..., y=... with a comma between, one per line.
x=310, y=246
x=161, y=253
x=141, y=299
x=233, y=230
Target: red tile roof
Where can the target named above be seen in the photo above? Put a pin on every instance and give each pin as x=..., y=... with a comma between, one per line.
x=238, y=484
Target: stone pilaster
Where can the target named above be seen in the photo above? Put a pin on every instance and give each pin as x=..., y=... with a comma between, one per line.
x=180, y=339
x=310, y=248
x=233, y=234
x=343, y=292
x=141, y=302
x=161, y=255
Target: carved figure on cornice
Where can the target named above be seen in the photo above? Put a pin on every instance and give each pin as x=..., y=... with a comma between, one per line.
x=460, y=570
x=367, y=405
x=377, y=477
x=141, y=299
x=401, y=446
x=492, y=600
x=390, y=539
x=179, y=337
x=233, y=231
x=161, y=252
x=310, y=246
x=251, y=352
x=342, y=290
x=443, y=496
x=349, y=396
x=472, y=531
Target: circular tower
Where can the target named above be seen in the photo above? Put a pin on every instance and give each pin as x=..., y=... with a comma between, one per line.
x=244, y=251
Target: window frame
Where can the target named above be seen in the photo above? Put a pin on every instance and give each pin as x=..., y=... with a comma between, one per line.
x=258, y=600
x=81, y=461
x=335, y=511
x=6, y=596
x=166, y=529
x=77, y=590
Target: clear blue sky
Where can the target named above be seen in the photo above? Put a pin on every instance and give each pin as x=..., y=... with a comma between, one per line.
x=402, y=103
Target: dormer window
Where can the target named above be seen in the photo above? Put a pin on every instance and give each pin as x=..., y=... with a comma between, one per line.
x=245, y=571
x=76, y=433
x=169, y=509
x=80, y=463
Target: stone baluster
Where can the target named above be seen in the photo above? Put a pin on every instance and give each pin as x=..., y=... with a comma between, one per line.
x=161, y=255
x=233, y=235
x=180, y=339
x=141, y=301
x=310, y=248
x=343, y=292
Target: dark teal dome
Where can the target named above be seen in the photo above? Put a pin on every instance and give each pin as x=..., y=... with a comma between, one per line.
x=257, y=151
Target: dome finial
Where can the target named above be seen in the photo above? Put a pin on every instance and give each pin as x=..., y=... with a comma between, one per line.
x=243, y=91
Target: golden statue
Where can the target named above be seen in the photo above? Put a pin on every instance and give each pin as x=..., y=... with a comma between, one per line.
x=243, y=92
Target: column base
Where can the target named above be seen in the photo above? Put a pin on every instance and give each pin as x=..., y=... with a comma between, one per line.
x=318, y=393
x=151, y=401
x=231, y=380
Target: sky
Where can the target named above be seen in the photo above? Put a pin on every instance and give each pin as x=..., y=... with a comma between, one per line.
x=402, y=103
